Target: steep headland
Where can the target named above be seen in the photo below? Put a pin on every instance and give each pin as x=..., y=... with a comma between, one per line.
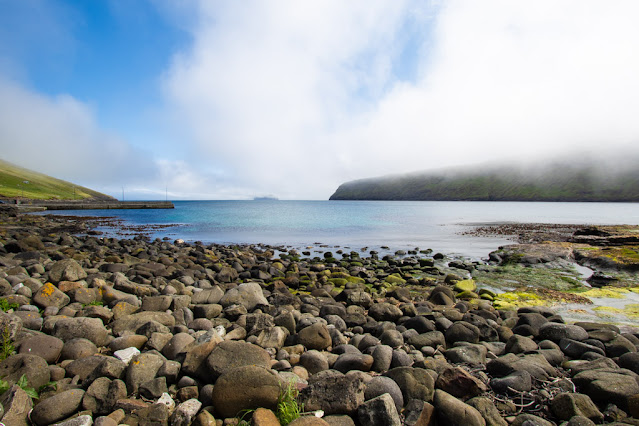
x=559, y=181
x=20, y=183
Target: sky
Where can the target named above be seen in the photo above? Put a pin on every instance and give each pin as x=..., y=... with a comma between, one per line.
x=206, y=99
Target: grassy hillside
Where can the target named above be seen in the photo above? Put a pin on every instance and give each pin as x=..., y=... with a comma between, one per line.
x=557, y=182
x=17, y=182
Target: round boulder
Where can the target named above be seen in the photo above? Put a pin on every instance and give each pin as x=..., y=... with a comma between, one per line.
x=245, y=388
x=231, y=354
x=315, y=336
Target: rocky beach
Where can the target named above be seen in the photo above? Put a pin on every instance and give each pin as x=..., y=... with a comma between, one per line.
x=107, y=331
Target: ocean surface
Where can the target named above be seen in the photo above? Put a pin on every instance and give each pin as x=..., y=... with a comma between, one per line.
x=398, y=225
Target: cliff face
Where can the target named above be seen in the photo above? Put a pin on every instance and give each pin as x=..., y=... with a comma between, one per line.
x=557, y=182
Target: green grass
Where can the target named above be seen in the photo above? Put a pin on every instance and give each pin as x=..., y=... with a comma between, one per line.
x=551, y=182
x=39, y=186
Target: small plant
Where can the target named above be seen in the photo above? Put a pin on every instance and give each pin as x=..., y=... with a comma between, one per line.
x=94, y=303
x=288, y=409
x=22, y=383
x=6, y=306
x=6, y=345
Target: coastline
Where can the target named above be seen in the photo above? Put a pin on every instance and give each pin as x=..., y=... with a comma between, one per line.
x=351, y=330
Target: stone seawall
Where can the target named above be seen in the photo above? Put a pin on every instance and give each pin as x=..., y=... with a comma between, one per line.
x=96, y=205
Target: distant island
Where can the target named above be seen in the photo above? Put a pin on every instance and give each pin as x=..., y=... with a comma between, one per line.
x=559, y=181
x=265, y=199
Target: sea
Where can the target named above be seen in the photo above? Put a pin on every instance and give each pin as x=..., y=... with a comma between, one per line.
x=383, y=226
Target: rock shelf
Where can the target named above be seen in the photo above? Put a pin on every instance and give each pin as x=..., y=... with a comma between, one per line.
x=105, y=331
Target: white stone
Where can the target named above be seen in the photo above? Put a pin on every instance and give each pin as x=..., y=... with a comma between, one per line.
x=85, y=420
x=221, y=331
x=168, y=401
x=126, y=355
x=186, y=412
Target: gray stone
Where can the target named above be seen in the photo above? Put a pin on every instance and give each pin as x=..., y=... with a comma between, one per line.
x=78, y=348
x=333, y=394
x=17, y=405
x=347, y=362
x=530, y=420
x=87, y=328
x=467, y=354
x=384, y=385
x=567, y=405
x=57, y=407
x=517, y=344
x=556, y=331
x=415, y=383
x=66, y=270
x=379, y=411
x=314, y=361
x=248, y=295
x=47, y=347
x=516, y=381
x=604, y=385
x=141, y=369
x=488, y=410
x=382, y=358
x=33, y=367
x=185, y=412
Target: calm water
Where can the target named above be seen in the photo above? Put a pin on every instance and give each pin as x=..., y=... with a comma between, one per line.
x=356, y=224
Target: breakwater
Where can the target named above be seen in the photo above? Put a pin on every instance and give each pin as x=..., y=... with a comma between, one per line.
x=93, y=205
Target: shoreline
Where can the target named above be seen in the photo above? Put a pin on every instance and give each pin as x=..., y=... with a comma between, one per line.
x=135, y=329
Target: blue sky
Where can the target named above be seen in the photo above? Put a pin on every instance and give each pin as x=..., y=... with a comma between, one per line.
x=230, y=100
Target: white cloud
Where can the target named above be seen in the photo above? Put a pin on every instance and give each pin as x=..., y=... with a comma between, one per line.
x=293, y=98
x=59, y=136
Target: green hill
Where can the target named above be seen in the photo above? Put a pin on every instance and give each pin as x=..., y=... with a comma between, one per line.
x=552, y=182
x=21, y=183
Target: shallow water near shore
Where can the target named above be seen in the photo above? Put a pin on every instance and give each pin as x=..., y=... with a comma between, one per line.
x=399, y=225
